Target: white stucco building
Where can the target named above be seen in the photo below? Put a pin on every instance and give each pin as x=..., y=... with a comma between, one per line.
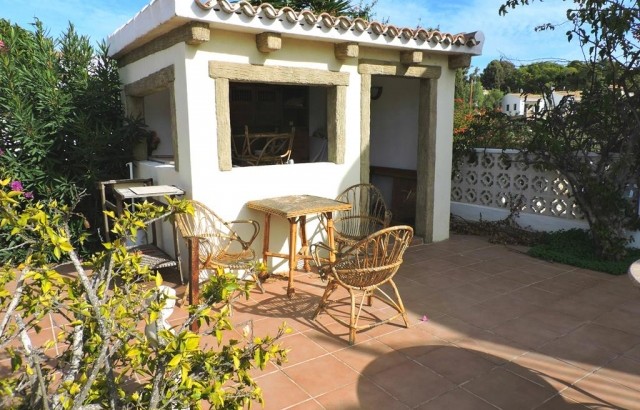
x=200, y=71
x=516, y=104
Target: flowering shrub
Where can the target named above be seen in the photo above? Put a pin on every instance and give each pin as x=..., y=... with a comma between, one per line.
x=102, y=357
x=62, y=125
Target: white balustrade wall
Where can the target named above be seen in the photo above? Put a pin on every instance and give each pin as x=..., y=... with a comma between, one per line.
x=487, y=188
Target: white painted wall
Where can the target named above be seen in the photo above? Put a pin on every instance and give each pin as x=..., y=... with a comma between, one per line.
x=444, y=151
x=227, y=192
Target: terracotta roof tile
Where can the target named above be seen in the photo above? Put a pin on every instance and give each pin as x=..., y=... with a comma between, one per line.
x=342, y=22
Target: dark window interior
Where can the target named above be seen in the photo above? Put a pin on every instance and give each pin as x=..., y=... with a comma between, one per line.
x=266, y=108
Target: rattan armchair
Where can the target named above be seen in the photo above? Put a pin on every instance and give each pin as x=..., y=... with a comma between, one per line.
x=361, y=269
x=368, y=214
x=213, y=243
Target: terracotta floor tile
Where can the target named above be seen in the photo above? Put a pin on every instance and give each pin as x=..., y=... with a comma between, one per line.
x=538, y=327
x=361, y=395
x=522, y=276
x=494, y=312
x=412, y=383
x=469, y=291
x=621, y=320
x=370, y=357
x=500, y=284
x=427, y=284
x=449, y=328
x=577, y=308
x=501, y=328
x=489, y=267
x=310, y=404
x=622, y=370
x=634, y=352
x=599, y=297
x=274, y=384
x=546, y=371
x=412, y=342
x=509, y=391
x=495, y=348
x=301, y=349
x=536, y=296
x=585, y=355
x=603, y=393
x=561, y=403
x=606, y=337
x=321, y=375
x=456, y=364
x=457, y=399
x=467, y=274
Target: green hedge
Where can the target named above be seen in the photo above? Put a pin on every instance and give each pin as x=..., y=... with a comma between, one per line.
x=575, y=247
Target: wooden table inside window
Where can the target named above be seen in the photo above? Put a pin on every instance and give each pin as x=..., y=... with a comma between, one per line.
x=296, y=208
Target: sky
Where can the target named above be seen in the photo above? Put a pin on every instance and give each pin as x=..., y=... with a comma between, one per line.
x=510, y=37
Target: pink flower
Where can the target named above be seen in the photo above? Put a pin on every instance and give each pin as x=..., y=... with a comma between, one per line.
x=16, y=186
x=28, y=195
x=424, y=318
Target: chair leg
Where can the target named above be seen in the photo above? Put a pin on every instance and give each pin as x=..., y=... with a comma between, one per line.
x=400, y=304
x=331, y=286
x=352, y=323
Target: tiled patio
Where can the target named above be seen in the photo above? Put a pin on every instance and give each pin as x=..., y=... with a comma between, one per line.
x=503, y=330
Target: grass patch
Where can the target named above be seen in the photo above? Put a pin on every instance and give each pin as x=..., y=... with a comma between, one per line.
x=574, y=247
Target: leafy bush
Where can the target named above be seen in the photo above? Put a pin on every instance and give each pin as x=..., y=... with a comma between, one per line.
x=575, y=247
x=103, y=358
x=62, y=125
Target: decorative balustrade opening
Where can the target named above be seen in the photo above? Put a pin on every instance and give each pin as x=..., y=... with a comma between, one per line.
x=502, y=179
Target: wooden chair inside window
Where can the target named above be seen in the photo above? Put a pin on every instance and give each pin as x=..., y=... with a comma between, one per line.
x=362, y=269
x=266, y=148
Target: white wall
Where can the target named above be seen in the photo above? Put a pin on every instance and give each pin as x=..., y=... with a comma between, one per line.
x=227, y=192
x=394, y=123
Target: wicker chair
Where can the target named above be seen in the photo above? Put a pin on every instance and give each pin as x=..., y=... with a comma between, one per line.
x=368, y=214
x=214, y=244
x=361, y=270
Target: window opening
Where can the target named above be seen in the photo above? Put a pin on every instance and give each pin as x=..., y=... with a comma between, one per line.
x=277, y=124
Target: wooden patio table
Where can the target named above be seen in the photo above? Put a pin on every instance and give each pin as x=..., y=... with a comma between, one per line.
x=296, y=208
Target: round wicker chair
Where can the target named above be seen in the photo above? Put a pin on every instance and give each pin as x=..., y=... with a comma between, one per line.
x=213, y=243
x=361, y=269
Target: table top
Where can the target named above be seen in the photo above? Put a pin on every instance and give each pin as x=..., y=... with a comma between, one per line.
x=292, y=206
x=147, y=191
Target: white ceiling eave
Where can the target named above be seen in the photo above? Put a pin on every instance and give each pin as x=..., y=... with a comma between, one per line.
x=160, y=17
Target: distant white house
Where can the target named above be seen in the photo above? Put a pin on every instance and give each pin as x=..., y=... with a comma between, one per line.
x=517, y=104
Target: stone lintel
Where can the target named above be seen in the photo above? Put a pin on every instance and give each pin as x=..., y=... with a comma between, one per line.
x=192, y=33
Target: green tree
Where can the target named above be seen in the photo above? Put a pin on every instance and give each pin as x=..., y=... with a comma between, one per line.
x=493, y=76
x=103, y=359
x=595, y=143
x=62, y=125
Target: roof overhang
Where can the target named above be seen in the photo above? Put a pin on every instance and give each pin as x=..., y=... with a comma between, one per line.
x=161, y=16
